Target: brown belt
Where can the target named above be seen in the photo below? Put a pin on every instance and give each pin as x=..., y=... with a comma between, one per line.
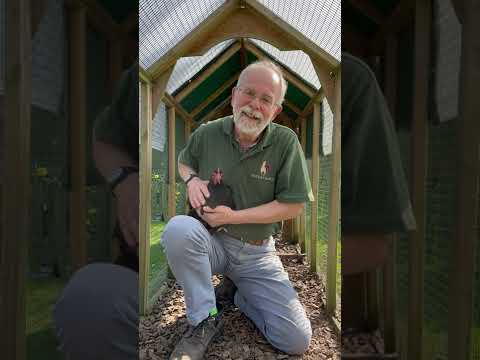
x=259, y=242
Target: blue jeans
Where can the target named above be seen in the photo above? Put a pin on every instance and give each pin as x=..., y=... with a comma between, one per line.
x=96, y=316
x=265, y=294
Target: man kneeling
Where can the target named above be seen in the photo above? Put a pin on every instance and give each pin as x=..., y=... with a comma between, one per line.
x=262, y=162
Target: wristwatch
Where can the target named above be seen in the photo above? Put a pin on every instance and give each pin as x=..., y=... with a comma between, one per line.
x=190, y=177
x=120, y=174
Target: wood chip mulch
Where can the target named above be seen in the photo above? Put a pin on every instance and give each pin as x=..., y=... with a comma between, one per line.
x=240, y=340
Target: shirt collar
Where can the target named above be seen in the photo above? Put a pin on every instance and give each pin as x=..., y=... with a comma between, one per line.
x=266, y=138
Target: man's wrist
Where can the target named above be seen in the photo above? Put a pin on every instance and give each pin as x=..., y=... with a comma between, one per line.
x=190, y=177
x=119, y=175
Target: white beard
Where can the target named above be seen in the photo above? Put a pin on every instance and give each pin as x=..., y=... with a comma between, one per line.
x=251, y=127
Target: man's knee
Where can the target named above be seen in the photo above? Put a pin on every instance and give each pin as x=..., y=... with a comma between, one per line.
x=292, y=337
x=181, y=233
x=296, y=341
x=99, y=306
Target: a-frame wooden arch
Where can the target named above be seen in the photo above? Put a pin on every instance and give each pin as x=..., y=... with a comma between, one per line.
x=239, y=19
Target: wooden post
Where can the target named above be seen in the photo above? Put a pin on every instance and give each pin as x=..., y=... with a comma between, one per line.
x=468, y=157
x=15, y=187
x=334, y=210
x=315, y=176
x=115, y=60
x=389, y=271
x=303, y=216
x=78, y=123
x=188, y=132
x=419, y=173
x=171, y=163
x=145, y=193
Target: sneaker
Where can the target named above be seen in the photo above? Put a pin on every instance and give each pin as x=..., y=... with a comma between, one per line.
x=195, y=341
x=225, y=291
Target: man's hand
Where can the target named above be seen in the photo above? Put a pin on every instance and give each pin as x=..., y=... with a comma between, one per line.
x=197, y=192
x=127, y=208
x=220, y=215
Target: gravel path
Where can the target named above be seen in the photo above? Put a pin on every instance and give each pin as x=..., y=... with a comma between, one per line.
x=240, y=340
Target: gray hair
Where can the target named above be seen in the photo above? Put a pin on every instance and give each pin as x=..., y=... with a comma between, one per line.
x=272, y=66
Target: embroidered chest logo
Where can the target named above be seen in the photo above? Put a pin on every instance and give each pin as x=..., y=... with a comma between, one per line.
x=265, y=168
x=265, y=171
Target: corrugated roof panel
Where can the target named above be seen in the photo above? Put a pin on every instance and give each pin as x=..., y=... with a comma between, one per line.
x=186, y=68
x=327, y=128
x=164, y=23
x=318, y=20
x=2, y=45
x=297, y=61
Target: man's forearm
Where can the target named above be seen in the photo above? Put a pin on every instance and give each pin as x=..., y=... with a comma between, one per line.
x=185, y=171
x=108, y=158
x=268, y=213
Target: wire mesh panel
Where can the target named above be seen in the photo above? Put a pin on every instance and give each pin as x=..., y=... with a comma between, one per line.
x=164, y=23
x=475, y=335
x=439, y=232
x=319, y=20
x=160, y=193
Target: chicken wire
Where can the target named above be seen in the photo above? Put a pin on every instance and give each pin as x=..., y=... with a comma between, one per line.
x=164, y=23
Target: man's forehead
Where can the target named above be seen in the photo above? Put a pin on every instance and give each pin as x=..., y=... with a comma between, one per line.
x=265, y=74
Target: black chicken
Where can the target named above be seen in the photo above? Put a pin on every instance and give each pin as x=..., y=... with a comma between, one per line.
x=220, y=194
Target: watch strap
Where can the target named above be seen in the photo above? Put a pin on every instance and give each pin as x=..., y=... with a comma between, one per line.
x=121, y=175
x=192, y=175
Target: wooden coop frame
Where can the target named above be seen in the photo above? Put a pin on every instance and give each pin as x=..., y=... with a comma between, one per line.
x=419, y=15
x=15, y=184
x=238, y=19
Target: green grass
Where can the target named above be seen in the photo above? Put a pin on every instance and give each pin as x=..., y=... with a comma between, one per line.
x=158, y=261
x=41, y=297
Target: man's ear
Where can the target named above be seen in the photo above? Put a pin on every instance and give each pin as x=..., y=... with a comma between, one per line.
x=233, y=95
x=278, y=110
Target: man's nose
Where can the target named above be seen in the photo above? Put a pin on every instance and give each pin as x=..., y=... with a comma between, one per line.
x=255, y=103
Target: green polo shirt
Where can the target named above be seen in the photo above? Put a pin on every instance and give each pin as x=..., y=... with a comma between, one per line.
x=273, y=169
x=375, y=196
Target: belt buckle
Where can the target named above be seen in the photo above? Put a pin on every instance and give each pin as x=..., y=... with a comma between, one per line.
x=259, y=242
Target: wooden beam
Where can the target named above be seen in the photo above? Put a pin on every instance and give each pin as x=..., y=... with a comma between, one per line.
x=369, y=10
x=209, y=25
x=214, y=95
x=303, y=142
x=172, y=159
x=397, y=20
x=214, y=113
x=253, y=20
x=188, y=132
x=419, y=173
x=158, y=89
x=327, y=80
x=15, y=184
x=130, y=24
x=145, y=187
x=289, y=76
x=98, y=17
x=389, y=270
x=243, y=54
x=315, y=177
x=334, y=206
x=144, y=76
x=78, y=128
x=317, y=97
x=169, y=100
x=462, y=294
x=291, y=38
x=115, y=61
x=293, y=107
x=182, y=94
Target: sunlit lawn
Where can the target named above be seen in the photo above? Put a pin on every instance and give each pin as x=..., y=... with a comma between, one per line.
x=41, y=297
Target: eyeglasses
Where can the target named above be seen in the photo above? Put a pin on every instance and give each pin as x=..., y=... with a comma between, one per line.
x=265, y=99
